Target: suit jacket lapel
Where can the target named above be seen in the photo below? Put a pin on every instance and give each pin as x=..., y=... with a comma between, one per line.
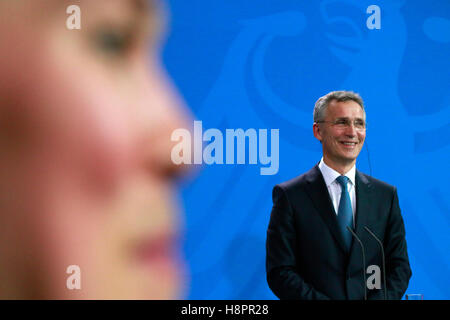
x=320, y=197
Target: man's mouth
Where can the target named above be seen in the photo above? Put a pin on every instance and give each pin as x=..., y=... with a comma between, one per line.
x=349, y=144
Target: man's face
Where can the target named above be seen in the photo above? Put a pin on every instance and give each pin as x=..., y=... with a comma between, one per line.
x=341, y=144
x=86, y=178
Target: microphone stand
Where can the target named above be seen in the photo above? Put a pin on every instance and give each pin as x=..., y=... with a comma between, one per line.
x=382, y=256
x=364, y=260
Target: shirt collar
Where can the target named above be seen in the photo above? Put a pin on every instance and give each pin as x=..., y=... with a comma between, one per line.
x=330, y=175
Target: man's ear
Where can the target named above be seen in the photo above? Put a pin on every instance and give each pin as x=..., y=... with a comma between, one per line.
x=316, y=131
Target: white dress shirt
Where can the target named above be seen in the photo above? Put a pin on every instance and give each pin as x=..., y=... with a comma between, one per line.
x=334, y=188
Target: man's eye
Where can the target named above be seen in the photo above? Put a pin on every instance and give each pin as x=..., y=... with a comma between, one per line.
x=341, y=122
x=359, y=124
x=112, y=42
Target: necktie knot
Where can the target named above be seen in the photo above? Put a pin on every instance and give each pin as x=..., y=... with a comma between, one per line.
x=342, y=180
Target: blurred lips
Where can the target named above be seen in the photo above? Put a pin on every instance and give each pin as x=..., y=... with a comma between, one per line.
x=158, y=251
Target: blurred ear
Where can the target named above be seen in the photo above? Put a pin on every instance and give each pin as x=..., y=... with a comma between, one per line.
x=7, y=128
x=317, y=131
x=14, y=129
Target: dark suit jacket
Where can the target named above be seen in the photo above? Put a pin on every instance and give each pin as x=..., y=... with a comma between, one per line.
x=306, y=258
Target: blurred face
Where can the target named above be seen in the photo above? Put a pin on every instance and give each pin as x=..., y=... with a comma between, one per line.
x=85, y=172
x=341, y=144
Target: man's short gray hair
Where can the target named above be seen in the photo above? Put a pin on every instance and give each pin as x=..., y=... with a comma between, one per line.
x=340, y=96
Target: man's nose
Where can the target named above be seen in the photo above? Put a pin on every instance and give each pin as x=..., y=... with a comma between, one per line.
x=350, y=129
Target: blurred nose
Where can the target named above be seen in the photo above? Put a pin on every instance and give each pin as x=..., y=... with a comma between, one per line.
x=164, y=111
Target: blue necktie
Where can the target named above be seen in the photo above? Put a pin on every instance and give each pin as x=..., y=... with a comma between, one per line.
x=345, y=212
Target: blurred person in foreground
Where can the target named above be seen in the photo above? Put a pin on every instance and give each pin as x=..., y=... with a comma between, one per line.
x=85, y=171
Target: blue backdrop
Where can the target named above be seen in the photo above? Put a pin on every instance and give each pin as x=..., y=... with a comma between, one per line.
x=263, y=64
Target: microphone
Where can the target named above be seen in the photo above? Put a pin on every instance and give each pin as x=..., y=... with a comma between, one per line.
x=382, y=256
x=364, y=260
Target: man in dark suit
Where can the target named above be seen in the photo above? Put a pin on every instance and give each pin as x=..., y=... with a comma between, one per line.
x=311, y=254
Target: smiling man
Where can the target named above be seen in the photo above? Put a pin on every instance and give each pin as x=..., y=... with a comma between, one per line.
x=311, y=254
